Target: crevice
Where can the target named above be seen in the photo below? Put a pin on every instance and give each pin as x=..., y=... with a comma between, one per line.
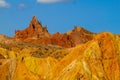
x=101, y=60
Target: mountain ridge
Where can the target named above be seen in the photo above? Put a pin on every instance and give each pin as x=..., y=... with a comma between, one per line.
x=35, y=54
x=36, y=33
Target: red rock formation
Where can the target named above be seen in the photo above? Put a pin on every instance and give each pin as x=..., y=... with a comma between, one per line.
x=35, y=33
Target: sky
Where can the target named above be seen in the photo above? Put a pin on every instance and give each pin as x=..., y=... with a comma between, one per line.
x=60, y=15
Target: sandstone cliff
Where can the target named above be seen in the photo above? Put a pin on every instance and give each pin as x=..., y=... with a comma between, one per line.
x=35, y=33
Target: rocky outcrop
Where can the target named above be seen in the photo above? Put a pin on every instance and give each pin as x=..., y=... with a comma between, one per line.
x=72, y=38
x=35, y=33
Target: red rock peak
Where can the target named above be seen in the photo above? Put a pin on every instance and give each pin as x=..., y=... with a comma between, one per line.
x=34, y=31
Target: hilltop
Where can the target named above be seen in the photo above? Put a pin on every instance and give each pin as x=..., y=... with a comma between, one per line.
x=38, y=34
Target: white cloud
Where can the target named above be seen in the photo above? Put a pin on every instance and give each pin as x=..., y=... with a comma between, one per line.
x=51, y=1
x=3, y=3
x=21, y=6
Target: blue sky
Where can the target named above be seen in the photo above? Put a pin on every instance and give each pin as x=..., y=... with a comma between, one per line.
x=60, y=15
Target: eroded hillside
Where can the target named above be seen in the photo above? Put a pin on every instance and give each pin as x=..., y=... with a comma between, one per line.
x=98, y=59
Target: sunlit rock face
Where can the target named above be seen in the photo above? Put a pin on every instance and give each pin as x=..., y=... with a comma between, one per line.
x=38, y=34
x=98, y=59
x=34, y=31
x=35, y=54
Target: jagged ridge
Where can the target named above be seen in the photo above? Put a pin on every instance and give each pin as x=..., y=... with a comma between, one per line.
x=35, y=33
x=94, y=57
